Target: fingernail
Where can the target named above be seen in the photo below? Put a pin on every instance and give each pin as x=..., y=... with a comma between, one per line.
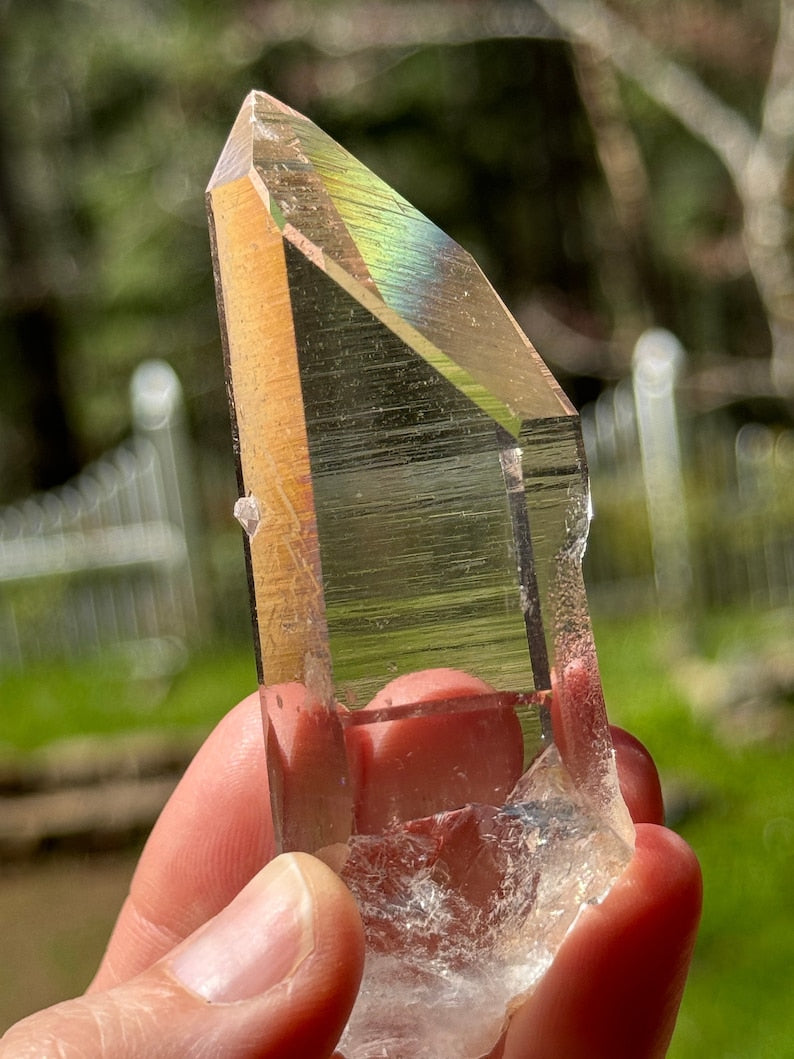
x=256, y=942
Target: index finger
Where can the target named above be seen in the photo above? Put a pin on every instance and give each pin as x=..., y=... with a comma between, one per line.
x=212, y=837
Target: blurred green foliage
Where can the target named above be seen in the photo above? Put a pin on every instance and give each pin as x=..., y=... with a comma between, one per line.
x=52, y=701
x=112, y=117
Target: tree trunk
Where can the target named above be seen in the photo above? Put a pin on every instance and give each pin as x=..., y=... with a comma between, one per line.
x=34, y=337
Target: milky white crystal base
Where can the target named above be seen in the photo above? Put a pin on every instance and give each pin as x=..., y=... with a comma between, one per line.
x=464, y=911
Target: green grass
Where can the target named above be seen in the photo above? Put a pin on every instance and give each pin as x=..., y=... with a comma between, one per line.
x=49, y=702
x=740, y=819
x=738, y=999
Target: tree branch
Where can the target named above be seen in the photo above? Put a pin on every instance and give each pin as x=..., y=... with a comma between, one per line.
x=369, y=24
x=777, y=110
x=678, y=90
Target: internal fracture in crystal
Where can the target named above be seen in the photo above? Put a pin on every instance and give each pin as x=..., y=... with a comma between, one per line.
x=427, y=506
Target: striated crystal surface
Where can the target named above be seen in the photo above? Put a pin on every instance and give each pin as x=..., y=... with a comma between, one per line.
x=417, y=484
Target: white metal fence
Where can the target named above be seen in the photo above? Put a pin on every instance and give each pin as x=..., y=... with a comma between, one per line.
x=689, y=510
x=104, y=561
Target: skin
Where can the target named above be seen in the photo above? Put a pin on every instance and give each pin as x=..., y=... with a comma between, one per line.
x=613, y=990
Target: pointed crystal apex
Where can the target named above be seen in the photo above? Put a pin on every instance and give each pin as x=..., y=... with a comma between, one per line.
x=427, y=508
x=382, y=363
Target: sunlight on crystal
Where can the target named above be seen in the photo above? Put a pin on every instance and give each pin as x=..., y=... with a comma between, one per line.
x=427, y=509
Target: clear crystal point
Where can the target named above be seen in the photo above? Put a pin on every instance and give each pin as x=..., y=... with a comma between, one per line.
x=427, y=506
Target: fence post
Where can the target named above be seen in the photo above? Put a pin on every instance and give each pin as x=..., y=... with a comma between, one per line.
x=658, y=361
x=158, y=415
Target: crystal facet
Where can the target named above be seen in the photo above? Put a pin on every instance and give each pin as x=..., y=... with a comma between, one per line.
x=427, y=506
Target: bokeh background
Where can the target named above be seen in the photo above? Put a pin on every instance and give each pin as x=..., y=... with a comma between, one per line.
x=622, y=172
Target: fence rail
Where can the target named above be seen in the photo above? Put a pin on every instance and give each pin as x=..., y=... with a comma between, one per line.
x=104, y=561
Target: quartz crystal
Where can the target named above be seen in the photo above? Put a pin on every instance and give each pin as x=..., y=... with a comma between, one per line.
x=247, y=513
x=417, y=484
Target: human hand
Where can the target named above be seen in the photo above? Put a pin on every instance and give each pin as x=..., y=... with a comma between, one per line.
x=277, y=951
x=613, y=990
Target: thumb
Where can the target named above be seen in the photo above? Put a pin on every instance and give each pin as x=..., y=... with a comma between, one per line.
x=274, y=975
